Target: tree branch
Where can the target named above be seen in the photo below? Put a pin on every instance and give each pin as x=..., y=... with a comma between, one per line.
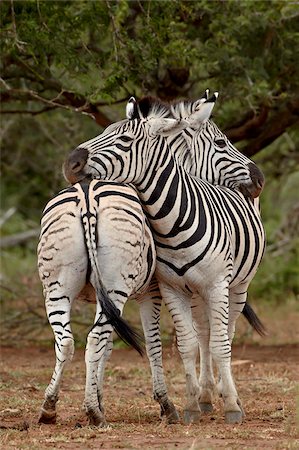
x=7, y=215
x=278, y=122
x=19, y=238
x=25, y=111
x=64, y=99
x=250, y=124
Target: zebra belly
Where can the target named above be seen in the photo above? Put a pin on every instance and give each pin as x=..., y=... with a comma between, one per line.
x=178, y=269
x=175, y=269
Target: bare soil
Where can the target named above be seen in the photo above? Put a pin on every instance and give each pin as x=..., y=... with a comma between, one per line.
x=266, y=377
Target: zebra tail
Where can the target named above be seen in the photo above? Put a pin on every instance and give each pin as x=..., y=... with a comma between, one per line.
x=120, y=325
x=253, y=320
x=125, y=331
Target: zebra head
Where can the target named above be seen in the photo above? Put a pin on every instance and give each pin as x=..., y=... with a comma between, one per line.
x=210, y=155
x=120, y=151
x=202, y=149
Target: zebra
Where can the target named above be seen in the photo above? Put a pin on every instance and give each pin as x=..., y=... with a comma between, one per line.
x=211, y=157
x=85, y=230
x=150, y=303
x=209, y=240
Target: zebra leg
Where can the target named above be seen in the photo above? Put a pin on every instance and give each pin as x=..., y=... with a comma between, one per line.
x=58, y=311
x=237, y=300
x=206, y=378
x=101, y=371
x=187, y=343
x=150, y=309
x=97, y=340
x=220, y=347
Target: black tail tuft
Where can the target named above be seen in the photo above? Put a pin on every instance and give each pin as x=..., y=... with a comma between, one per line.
x=120, y=325
x=253, y=320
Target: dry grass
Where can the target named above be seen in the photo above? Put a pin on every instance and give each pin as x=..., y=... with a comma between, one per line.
x=266, y=379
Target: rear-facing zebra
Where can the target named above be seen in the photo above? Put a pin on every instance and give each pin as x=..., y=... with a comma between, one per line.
x=209, y=240
x=93, y=232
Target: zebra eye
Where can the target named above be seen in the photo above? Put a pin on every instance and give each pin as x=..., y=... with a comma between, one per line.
x=123, y=142
x=125, y=138
x=220, y=143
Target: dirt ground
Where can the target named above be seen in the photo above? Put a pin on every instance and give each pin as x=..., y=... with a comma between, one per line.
x=266, y=377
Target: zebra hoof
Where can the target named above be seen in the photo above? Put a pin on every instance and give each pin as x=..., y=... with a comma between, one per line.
x=47, y=416
x=97, y=422
x=206, y=408
x=172, y=417
x=242, y=409
x=233, y=417
x=96, y=418
x=191, y=417
x=169, y=412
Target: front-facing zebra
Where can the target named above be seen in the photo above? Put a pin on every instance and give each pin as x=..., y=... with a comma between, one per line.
x=209, y=241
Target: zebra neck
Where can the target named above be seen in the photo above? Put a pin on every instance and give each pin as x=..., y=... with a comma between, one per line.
x=170, y=197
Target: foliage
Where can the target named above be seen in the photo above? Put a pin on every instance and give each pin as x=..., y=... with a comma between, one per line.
x=65, y=63
x=278, y=276
x=104, y=51
x=33, y=150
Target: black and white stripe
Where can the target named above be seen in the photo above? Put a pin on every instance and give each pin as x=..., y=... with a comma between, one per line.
x=209, y=240
x=96, y=233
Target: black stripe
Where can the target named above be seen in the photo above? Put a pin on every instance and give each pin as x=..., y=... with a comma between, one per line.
x=61, y=202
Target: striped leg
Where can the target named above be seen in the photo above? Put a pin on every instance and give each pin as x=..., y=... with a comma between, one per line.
x=101, y=371
x=187, y=343
x=97, y=340
x=62, y=265
x=237, y=300
x=98, y=350
x=150, y=309
x=206, y=378
x=58, y=310
x=220, y=347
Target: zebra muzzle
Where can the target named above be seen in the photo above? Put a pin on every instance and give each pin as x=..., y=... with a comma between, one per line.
x=73, y=168
x=256, y=186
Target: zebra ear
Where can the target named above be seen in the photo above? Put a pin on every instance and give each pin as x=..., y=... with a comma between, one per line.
x=130, y=108
x=202, y=111
x=166, y=127
x=197, y=103
x=205, y=96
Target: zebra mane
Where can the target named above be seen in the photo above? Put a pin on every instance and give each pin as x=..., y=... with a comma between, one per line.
x=182, y=108
x=113, y=126
x=148, y=107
